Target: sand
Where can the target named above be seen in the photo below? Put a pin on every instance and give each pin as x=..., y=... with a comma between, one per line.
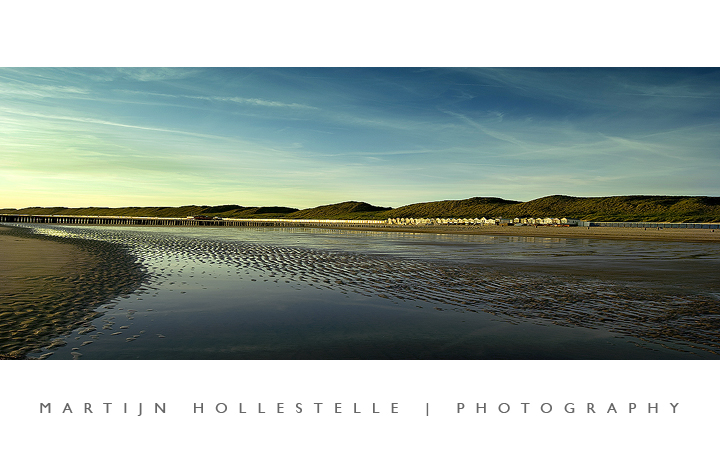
x=54, y=287
x=25, y=263
x=51, y=287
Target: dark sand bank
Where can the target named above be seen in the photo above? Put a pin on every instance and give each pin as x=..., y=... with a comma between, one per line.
x=51, y=286
x=690, y=235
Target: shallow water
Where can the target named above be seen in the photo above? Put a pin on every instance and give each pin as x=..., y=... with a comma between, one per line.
x=275, y=293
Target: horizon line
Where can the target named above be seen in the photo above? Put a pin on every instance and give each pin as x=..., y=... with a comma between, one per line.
x=356, y=201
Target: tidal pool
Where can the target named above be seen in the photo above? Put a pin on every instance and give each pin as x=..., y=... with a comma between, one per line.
x=276, y=293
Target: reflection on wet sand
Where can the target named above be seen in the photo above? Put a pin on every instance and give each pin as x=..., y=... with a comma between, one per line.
x=50, y=287
x=641, y=310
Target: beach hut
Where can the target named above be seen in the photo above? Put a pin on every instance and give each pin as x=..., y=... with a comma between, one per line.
x=571, y=222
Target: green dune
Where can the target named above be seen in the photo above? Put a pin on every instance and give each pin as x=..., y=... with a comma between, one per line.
x=646, y=208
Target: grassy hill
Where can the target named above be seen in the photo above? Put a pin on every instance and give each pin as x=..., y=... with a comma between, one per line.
x=472, y=207
x=347, y=210
x=614, y=208
x=610, y=209
x=230, y=210
x=627, y=208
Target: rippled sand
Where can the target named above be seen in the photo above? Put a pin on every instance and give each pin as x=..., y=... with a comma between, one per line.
x=640, y=310
x=52, y=286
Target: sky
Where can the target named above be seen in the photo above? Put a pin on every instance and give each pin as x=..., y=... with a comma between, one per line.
x=305, y=137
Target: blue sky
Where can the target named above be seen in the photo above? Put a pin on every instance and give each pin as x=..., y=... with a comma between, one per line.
x=305, y=137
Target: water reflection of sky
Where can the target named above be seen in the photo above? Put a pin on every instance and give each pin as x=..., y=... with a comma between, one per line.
x=445, y=246
x=316, y=293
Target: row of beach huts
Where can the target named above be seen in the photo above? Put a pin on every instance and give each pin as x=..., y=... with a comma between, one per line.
x=484, y=221
x=547, y=221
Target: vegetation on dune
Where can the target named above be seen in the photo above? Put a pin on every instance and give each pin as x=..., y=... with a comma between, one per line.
x=230, y=210
x=348, y=210
x=472, y=207
x=604, y=209
x=609, y=209
x=628, y=208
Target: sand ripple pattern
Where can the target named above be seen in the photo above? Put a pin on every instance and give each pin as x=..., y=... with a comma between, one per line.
x=628, y=309
x=51, y=305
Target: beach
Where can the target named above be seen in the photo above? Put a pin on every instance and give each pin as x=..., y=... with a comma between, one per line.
x=321, y=293
x=25, y=261
x=50, y=287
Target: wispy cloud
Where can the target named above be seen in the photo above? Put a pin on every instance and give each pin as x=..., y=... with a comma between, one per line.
x=28, y=90
x=94, y=121
x=609, y=89
x=386, y=135
x=235, y=99
x=155, y=74
x=264, y=103
x=489, y=132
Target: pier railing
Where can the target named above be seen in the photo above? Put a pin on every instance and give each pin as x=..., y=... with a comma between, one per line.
x=181, y=221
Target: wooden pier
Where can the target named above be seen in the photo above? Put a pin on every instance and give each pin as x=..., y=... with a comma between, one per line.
x=185, y=221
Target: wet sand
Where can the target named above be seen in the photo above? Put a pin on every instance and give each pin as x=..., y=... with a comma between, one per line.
x=691, y=235
x=51, y=287
x=649, y=309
